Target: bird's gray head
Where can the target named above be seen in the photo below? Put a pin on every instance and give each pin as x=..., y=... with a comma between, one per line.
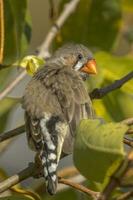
x=77, y=57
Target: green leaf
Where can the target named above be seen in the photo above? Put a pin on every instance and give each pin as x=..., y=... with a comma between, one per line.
x=15, y=197
x=98, y=149
x=112, y=68
x=119, y=105
x=97, y=23
x=62, y=195
x=6, y=106
x=16, y=26
x=128, y=5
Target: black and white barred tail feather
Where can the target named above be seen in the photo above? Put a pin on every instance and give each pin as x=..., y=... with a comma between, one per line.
x=49, y=152
x=52, y=130
x=45, y=136
x=49, y=163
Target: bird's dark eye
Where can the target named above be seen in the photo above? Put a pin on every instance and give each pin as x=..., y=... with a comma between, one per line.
x=80, y=56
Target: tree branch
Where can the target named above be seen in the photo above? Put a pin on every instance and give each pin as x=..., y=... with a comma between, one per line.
x=130, y=131
x=125, y=196
x=17, y=131
x=52, y=10
x=98, y=93
x=11, y=85
x=17, y=178
x=68, y=10
x=79, y=187
x=68, y=172
x=128, y=142
x=31, y=171
x=128, y=121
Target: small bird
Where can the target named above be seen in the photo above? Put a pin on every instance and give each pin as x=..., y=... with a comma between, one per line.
x=55, y=100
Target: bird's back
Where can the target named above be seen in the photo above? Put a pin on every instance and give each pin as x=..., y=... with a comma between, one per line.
x=58, y=91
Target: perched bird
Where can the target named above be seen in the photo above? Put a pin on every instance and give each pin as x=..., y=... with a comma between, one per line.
x=55, y=100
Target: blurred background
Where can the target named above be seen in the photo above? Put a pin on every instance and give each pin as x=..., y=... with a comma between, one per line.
x=105, y=26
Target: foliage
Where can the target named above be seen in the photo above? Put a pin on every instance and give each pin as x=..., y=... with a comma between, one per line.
x=90, y=17
x=31, y=64
x=102, y=144
x=16, y=23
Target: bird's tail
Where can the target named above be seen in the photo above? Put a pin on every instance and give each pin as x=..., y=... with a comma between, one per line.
x=50, y=168
x=54, y=131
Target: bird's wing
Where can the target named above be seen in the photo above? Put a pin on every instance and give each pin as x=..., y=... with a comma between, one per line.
x=75, y=103
x=39, y=102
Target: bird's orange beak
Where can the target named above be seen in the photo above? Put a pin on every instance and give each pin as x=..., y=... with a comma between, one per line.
x=90, y=67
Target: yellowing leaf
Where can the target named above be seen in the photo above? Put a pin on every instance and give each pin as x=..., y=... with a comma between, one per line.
x=30, y=194
x=127, y=5
x=1, y=30
x=31, y=64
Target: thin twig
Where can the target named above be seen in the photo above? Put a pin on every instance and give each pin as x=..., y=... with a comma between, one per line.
x=4, y=146
x=99, y=93
x=52, y=10
x=17, y=178
x=68, y=172
x=129, y=131
x=31, y=171
x=79, y=187
x=68, y=10
x=128, y=142
x=13, y=84
x=126, y=196
x=116, y=178
x=17, y=131
x=128, y=121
